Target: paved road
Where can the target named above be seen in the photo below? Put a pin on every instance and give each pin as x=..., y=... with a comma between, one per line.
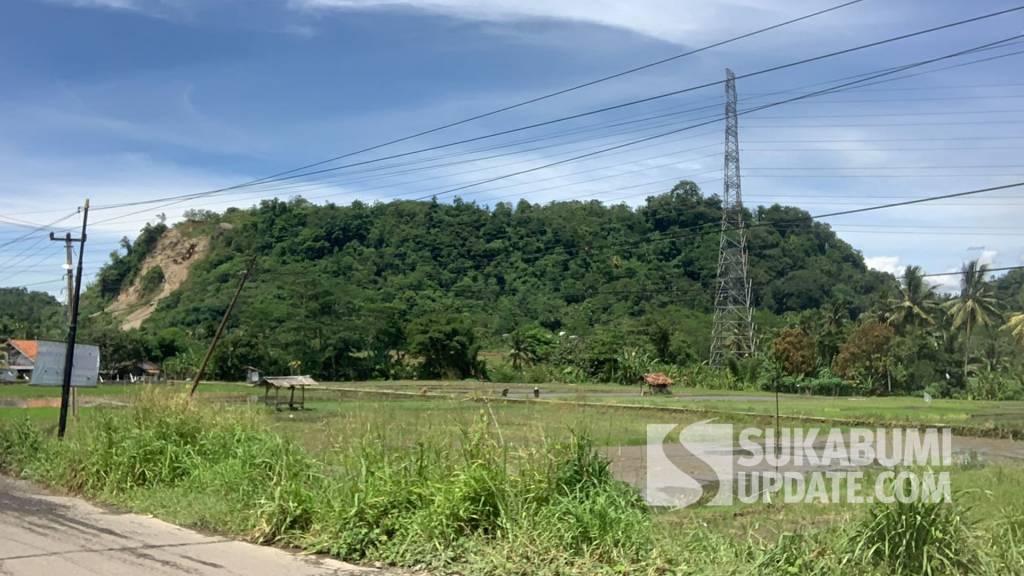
x=43, y=535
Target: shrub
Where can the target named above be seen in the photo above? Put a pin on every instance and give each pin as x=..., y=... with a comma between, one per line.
x=994, y=386
x=915, y=538
x=152, y=281
x=20, y=442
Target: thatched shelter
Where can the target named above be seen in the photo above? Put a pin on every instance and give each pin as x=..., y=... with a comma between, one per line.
x=658, y=382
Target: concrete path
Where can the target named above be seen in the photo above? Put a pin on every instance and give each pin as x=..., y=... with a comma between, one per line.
x=43, y=535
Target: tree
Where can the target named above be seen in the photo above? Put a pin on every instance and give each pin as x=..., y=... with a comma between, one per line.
x=447, y=345
x=794, y=349
x=527, y=346
x=865, y=356
x=975, y=307
x=1015, y=326
x=914, y=304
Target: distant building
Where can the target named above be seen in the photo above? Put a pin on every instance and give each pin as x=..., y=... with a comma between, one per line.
x=252, y=375
x=20, y=359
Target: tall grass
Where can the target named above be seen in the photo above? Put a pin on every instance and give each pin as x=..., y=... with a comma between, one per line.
x=915, y=538
x=473, y=502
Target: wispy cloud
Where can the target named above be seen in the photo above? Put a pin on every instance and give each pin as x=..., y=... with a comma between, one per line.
x=669, y=20
x=109, y=4
x=155, y=8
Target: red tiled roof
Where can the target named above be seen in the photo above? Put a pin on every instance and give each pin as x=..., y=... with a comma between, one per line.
x=28, y=348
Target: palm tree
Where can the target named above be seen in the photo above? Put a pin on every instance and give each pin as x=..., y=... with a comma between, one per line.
x=523, y=350
x=1015, y=326
x=916, y=300
x=974, y=306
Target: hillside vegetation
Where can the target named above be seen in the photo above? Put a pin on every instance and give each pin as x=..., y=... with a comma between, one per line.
x=349, y=291
x=31, y=315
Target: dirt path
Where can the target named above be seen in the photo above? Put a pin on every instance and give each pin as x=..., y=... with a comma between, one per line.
x=42, y=534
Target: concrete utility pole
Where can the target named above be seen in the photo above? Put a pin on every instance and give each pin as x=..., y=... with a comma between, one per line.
x=70, y=269
x=733, y=330
x=69, y=355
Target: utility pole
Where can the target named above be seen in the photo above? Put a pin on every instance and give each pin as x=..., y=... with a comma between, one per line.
x=69, y=355
x=69, y=268
x=220, y=328
x=733, y=330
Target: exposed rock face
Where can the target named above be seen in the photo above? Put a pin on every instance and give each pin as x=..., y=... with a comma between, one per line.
x=174, y=254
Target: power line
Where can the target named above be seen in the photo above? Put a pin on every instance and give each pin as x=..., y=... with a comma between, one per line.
x=38, y=283
x=858, y=76
x=570, y=89
x=545, y=96
x=743, y=112
x=290, y=174
x=37, y=229
x=961, y=272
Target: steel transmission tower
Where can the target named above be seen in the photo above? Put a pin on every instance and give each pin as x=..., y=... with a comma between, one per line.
x=733, y=330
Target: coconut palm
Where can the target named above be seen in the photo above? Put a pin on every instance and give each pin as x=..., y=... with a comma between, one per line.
x=913, y=307
x=1015, y=326
x=975, y=306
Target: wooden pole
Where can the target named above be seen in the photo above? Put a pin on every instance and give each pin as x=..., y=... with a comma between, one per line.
x=220, y=328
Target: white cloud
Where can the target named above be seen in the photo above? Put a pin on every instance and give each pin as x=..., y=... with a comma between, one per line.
x=988, y=257
x=155, y=8
x=111, y=4
x=669, y=20
x=890, y=264
x=947, y=284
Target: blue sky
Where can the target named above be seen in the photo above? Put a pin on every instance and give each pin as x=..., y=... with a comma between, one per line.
x=121, y=100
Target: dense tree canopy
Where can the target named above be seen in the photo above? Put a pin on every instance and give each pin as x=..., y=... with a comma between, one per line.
x=344, y=289
x=32, y=315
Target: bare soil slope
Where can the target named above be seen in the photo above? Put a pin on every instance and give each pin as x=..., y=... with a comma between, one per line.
x=175, y=254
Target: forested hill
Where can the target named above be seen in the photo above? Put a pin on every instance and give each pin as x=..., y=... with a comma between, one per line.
x=333, y=281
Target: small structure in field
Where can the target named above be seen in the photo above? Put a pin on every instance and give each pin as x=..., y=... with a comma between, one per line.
x=252, y=375
x=657, y=382
x=290, y=383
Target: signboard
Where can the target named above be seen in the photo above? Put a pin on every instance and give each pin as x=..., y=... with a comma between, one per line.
x=49, y=367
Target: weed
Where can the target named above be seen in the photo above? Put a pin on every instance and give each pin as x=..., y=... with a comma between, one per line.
x=914, y=538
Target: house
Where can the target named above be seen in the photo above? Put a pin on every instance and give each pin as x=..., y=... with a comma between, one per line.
x=19, y=359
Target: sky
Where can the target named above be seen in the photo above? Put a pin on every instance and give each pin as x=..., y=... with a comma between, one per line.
x=130, y=100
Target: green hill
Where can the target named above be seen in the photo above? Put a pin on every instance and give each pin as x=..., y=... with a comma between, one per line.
x=347, y=289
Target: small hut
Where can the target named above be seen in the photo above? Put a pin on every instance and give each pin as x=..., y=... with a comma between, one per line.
x=290, y=383
x=657, y=382
x=252, y=375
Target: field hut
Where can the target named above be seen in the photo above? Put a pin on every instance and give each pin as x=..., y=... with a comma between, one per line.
x=290, y=383
x=657, y=382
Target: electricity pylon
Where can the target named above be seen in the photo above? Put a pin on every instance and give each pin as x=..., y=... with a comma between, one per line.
x=733, y=330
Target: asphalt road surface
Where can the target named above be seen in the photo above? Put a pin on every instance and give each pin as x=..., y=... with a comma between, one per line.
x=44, y=535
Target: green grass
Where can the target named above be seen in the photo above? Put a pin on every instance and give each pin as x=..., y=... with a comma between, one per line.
x=966, y=414
x=481, y=488
x=1002, y=418
x=107, y=389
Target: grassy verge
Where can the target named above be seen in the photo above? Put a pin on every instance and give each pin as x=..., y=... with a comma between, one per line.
x=483, y=489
